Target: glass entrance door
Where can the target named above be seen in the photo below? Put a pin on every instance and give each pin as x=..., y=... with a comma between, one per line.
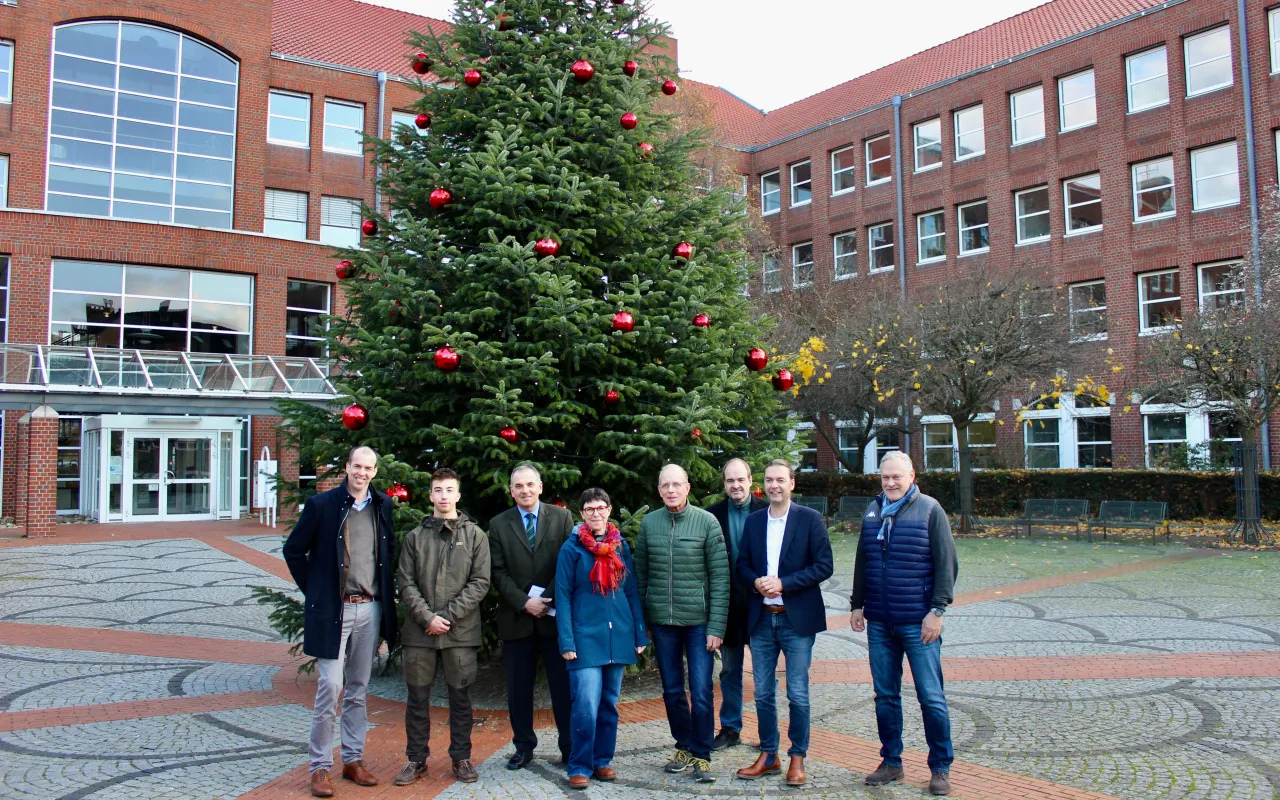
x=169, y=476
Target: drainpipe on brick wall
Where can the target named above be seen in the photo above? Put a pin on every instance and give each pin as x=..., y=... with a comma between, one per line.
x=382, y=103
x=1251, y=155
x=902, y=247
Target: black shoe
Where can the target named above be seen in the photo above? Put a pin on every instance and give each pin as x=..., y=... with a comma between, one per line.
x=520, y=760
x=884, y=774
x=702, y=770
x=564, y=758
x=727, y=737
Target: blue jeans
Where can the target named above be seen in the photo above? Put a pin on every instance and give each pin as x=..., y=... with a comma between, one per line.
x=731, y=657
x=673, y=644
x=593, y=722
x=775, y=634
x=887, y=642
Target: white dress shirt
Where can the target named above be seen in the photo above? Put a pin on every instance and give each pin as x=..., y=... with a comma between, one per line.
x=775, y=529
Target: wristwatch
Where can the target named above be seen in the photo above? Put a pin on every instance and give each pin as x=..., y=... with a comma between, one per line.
x=938, y=612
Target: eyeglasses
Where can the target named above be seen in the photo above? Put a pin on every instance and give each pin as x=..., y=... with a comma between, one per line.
x=666, y=486
x=596, y=510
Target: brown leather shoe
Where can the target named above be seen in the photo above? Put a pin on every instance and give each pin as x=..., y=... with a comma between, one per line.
x=795, y=772
x=578, y=781
x=604, y=774
x=357, y=774
x=410, y=773
x=464, y=772
x=321, y=786
x=884, y=774
x=940, y=783
x=766, y=764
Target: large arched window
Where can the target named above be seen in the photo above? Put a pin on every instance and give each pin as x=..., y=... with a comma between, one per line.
x=142, y=125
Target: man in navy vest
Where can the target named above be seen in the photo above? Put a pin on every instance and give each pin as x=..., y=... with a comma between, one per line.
x=903, y=581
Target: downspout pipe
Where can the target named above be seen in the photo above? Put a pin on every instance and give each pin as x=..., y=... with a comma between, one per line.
x=382, y=106
x=1255, y=214
x=902, y=245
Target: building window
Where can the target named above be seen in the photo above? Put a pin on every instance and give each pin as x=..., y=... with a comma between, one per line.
x=971, y=136
x=928, y=140
x=770, y=193
x=1083, y=201
x=306, y=304
x=974, y=229
x=801, y=184
x=1208, y=60
x=150, y=308
x=1153, y=189
x=6, y=72
x=880, y=243
x=843, y=170
x=68, y=489
x=939, y=446
x=1273, y=24
x=142, y=125
x=1027, y=108
x=1067, y=432
x=1042, y=444
x=4, y=181
x=941, y=451
x=1224, y=434
x=1076, y=105
x=1198, y=438
x=1166, y=436
x=285, y=214
x=343, y=126
x=931, y=232
x=879, y=159
x=1093, y=442
x=1215, y=179
x=771, y=278
x=340, y=221
x=1221, y=285
x=1088, y=308
x=1033, y=214
x=4, y=308
x=803, y=435
x=1147, y=77
x=885, y=441
x=845, y=247
x=848, y=441
x=1159, y=301
x=289, y=119
x=802, y=265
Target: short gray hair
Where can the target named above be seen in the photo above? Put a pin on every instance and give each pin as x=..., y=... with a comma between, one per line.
x=522, y=466
x=897, y=455
x=666, y=467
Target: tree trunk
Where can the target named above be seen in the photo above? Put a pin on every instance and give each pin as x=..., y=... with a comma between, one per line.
x=1248, y=499
x=965, y=477
x=816, y=419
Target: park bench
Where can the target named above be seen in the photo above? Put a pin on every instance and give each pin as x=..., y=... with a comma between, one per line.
x=853, y=506
x=1053, y=512
x=818, y=504
x=1131, y=514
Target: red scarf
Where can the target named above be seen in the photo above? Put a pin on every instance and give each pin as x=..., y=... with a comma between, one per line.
x=608, y=572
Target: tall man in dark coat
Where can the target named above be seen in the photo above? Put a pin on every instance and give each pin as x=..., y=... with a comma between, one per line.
x=731, y=513
x=524, y=544
x=339, y=554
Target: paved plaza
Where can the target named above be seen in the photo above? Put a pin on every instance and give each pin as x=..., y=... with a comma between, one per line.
x=134, y=663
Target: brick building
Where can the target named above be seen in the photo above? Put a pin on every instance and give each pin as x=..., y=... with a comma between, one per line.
x=172, y=181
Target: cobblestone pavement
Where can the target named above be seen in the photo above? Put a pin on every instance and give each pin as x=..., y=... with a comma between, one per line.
x=1076, y=671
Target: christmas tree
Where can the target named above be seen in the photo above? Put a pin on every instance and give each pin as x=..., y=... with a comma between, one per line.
x=549, y=283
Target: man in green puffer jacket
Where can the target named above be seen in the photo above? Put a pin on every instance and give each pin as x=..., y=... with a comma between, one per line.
x=683, y=574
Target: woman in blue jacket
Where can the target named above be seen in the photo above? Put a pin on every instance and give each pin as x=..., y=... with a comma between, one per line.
x=601, y=629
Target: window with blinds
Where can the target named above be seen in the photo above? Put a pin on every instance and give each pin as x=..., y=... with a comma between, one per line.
x=285, y=214
x=340, y=221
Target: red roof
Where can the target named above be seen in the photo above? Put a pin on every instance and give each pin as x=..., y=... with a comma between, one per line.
x=735, y=120
x=348, y=33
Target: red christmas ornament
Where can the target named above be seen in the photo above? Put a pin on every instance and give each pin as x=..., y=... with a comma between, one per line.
x=420, y=64
x=423, y=121
x=683, y=250
x=629, y=120
x=646, y=149
x=619, y=2
x=345, y=269
x=546, y=247
x=756, y=359
x=472, y=78
x=582, y=70
x=398, y=492
x=504, y=21
x=369, y=226
x=630, y=68
x=611, y=398
x=696, y=433
x=624, y=322
x=757, y=491
x=446, y=359
x=669, y=88
x=509, y=435
x=702, y=321
x=440, y=198
x=782, y=381
x=355, y=417
x=558, y=503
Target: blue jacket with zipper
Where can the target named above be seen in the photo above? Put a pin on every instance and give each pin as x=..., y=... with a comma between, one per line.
x=899, y=577
x=601, y=629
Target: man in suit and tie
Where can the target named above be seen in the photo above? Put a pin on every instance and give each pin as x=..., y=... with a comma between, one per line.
x=785, y=556
x=731, y=513
x=524, y=544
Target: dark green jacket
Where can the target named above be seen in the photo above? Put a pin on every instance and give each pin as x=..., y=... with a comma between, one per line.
x=515, y=567
x=444, y=570
x=682, y=569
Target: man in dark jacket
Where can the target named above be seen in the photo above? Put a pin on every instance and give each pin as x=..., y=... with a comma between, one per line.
x=443, y=575
x=339, y=554
x=903, y=581
x=731, y=513
x=524, y=544
x=785, y=556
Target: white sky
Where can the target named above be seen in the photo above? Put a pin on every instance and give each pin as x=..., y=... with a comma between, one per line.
x=774, y=52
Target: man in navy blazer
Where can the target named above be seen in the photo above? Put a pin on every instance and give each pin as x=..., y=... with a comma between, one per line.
x=784, y=557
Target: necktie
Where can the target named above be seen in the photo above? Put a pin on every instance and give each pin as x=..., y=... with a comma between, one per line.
x=530, y=528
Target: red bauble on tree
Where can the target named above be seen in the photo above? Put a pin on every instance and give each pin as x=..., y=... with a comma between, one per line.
x=420, y=64
x=623, y=322
x=756, y=359
x=398, y=492
x=783, y=380
x=345, y=269
x=369, y=227
x=504, y=21
x=669, y=88
x=696, y=433
x=423, y=121
x=702, y=321
x=629, y=120
x=646, y=149
x=440, y=198
x=355, y=417
x=582, y=70
x=683, y=250
x=756, y=491
x=612, y=398
x=509, y=434
x=546, y=247
x=472, y=78
x=446, y=359
x=630, y=68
